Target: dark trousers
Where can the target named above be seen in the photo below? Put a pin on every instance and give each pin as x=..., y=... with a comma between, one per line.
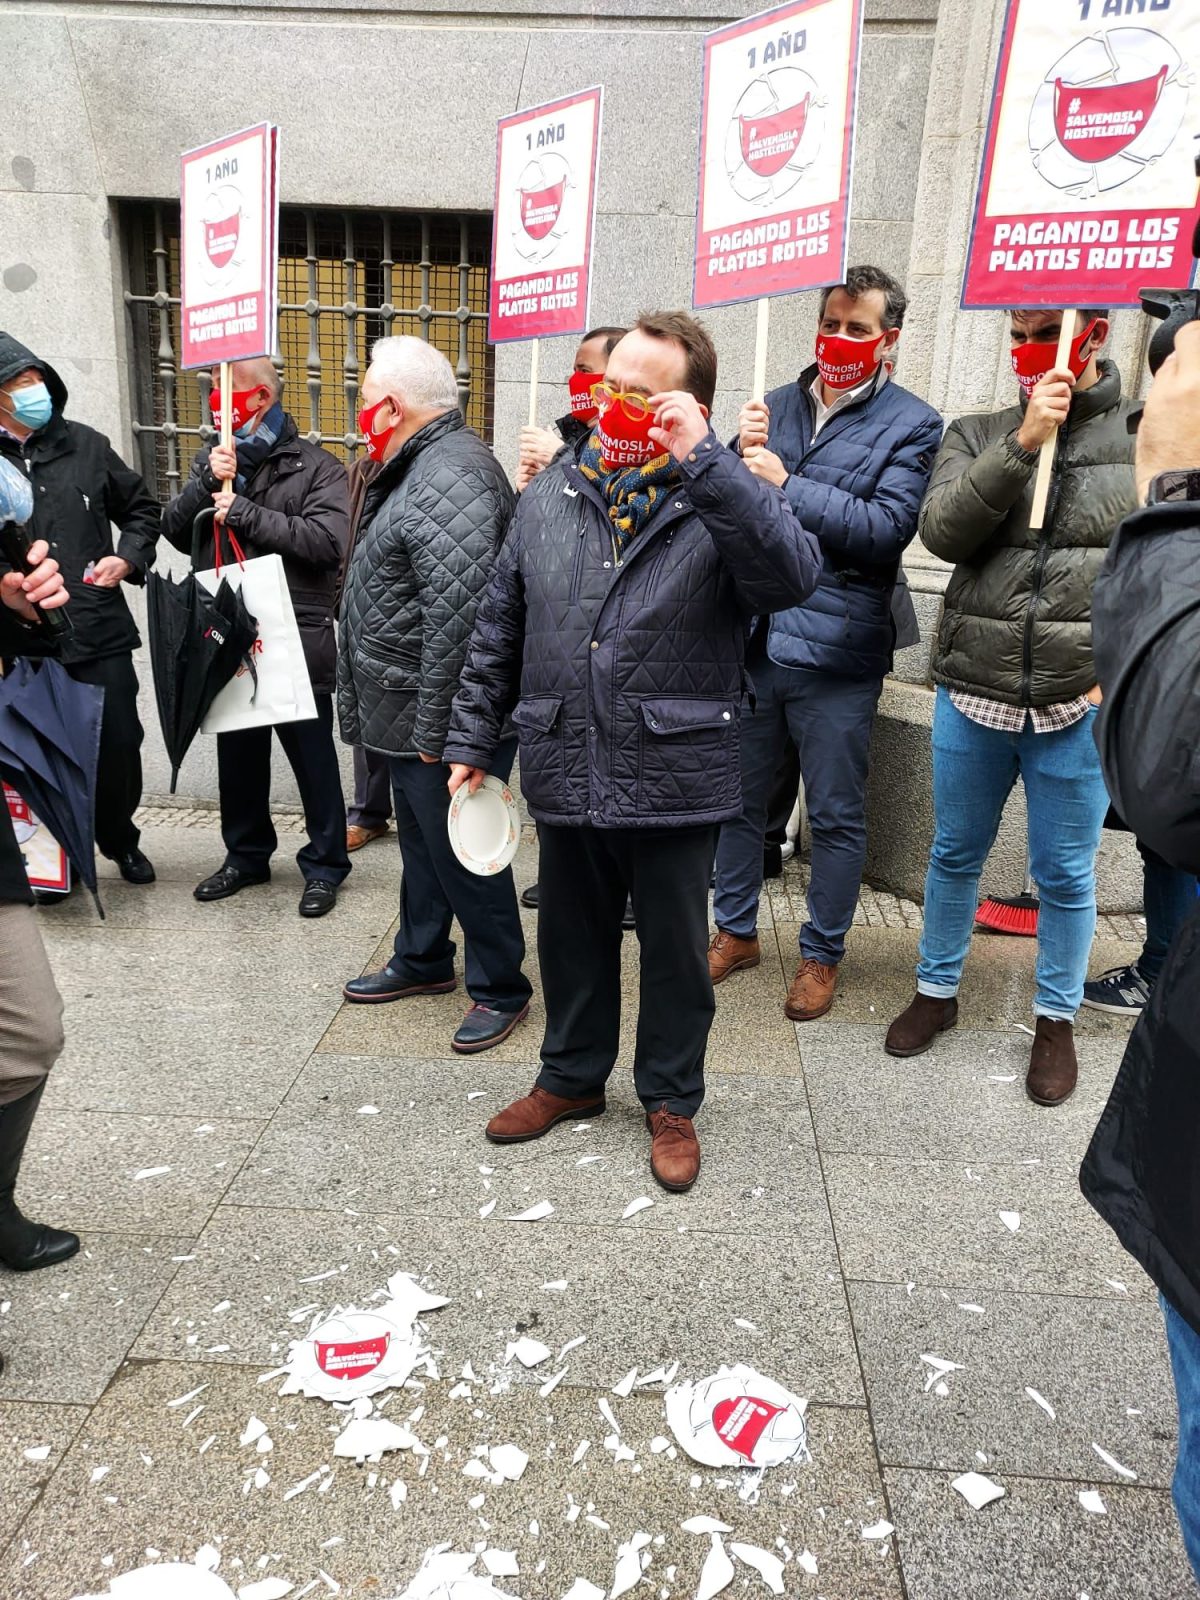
x=119, y=775
x=785, y=786
x=584, y=875
x=436, y=887
x=372, y=805
x=244, y=780
x=1169, y=898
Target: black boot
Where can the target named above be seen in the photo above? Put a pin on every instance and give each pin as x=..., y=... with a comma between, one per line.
x=24, y=1245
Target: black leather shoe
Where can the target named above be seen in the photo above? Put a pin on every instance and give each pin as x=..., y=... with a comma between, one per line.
x=319, y=897
x=529, y=897
x=135, y=867
x=228, y=880
x=373, y=988
x=483, y=1027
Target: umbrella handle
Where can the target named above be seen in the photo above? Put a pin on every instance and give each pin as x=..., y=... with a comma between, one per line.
x=239, y=555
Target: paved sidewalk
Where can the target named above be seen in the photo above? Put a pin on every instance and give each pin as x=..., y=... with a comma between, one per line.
x=207, y=1132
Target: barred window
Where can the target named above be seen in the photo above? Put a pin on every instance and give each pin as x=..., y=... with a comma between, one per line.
x=346, y=278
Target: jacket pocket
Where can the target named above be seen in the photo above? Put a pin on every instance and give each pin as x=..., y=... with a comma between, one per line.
x=689, y=755
x=539, y=723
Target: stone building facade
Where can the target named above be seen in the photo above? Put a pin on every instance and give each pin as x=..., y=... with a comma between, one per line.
x=394, y=108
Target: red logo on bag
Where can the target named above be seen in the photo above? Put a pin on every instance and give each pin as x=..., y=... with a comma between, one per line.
x=220, y=239
x=354, y=1360
x=540, y=208
x=741, y=1423
x=769, y=142
x=1097, y=123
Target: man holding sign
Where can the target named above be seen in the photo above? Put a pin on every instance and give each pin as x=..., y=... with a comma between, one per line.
x=1017, y=693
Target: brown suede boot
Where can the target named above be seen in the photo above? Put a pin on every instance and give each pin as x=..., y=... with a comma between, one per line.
x=1053, y=1064
x=535, y=1114
x=674, y=1149
x=811, y=993
x=727, y=953
x=915, y=1030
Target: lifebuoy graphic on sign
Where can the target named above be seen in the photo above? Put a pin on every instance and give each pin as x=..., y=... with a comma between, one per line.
x=541, y=194
x=774, y=135
x=1108, y=109
x=221, y=220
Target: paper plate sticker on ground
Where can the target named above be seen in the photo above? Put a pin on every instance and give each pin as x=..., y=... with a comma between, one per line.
x=738, y=1418
x=354, y=1354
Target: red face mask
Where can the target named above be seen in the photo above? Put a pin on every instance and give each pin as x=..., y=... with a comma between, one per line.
x=242, y=408
x=377, y=443
x=625, y=441
x=1032, y=361
x=581, y=385
x=844, y=363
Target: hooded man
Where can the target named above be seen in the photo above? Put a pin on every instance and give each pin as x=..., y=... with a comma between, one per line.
x=289, y=498
x=81, y=488
x=1017, y=695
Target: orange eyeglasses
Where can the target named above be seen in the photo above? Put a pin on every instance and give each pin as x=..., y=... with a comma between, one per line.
x=635, y=406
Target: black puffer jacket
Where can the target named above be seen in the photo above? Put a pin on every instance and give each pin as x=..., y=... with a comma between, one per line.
x=1142, y=1169
x=432, y=523
x=296, y=506
x=1017, y=623
x=625, y=678
x=81, y=487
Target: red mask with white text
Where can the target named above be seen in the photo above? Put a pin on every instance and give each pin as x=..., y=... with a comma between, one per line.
x=242, y=408
x=845, y=363
x=1033, y=360
x=580, y=385
x=377, y=443
x=625, y=441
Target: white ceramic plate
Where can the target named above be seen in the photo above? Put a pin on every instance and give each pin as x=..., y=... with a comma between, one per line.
x=485, y=828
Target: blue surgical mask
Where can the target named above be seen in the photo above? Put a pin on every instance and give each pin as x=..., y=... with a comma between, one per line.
x=31, y=406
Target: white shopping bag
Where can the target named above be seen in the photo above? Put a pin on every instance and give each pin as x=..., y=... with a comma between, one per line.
x=283, y=692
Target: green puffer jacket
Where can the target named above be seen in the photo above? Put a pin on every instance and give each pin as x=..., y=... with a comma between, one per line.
x=1017, y=622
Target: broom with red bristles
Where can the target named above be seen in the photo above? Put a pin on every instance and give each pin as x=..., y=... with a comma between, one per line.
x=1017, y=915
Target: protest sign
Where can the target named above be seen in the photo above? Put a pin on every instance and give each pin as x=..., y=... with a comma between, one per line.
x=45, y=859
x=776, y=154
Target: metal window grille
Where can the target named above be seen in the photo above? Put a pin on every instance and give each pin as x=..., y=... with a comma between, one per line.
x=346, y=278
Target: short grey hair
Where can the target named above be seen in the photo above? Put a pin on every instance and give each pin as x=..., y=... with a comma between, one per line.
x=416, y=372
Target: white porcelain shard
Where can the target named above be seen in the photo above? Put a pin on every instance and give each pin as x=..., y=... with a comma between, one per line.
x=977, y=1490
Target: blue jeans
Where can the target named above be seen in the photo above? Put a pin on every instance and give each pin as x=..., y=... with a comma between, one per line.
x=974, y=771
x=830, y=720
x=1184, y=1344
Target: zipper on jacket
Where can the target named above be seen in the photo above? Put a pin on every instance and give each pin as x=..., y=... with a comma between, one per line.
x=1039, y=566
x=577, y=571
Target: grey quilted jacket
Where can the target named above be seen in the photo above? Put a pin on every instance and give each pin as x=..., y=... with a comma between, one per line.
x=625, y=678
x=433, y=520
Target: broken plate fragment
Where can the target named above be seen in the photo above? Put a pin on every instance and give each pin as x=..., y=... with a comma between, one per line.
x=768, y=1566
x=1090, y=1500
x=534, y=1214
x=717, y=1571
x=977, y=1490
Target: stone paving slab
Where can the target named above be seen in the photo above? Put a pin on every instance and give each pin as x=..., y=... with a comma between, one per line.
x=1037, y=1543
x=131, y=1174
x=421, y=1151
x=1101, y=1365
x=181, y=1498
x=964, y=1098
x=259, y=1260
x=31, y=1427
x=262, y=909
x=937, y=1223
x=70, y=1326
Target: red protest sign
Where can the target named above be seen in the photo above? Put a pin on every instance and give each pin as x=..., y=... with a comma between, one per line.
x=776, y=151
x=1088, y=191
x=546, y=163
x=229, y=251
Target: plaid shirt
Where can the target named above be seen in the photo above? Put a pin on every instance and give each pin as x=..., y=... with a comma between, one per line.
x=1011, y=719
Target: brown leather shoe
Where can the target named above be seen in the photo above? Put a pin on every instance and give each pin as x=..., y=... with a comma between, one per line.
x=356, y=837
x=535, y=1114
x=915, y=1030
x=812, y=990
x=727, y=953
x=1053, y=1064
x=674, y=1149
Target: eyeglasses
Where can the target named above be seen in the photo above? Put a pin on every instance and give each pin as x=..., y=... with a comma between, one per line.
x=635, y=406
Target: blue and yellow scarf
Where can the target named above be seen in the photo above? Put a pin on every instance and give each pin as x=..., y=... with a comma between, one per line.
x=631, y=492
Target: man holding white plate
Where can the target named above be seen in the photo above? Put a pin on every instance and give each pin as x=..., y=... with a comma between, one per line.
x=613, y=630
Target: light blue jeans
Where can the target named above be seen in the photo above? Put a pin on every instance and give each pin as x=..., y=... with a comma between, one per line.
x=974, y=771
x=1184, y=1344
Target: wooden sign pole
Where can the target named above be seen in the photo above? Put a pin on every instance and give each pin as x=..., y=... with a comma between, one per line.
x=1045, y=468
x=533, y=383
x=227, y=414
x=758, y=390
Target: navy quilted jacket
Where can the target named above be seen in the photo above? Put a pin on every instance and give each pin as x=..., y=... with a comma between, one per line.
x=625, y=679
x=858, y=486
x=433, y=519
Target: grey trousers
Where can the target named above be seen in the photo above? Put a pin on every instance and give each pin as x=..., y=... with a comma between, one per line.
x=31, y=1031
